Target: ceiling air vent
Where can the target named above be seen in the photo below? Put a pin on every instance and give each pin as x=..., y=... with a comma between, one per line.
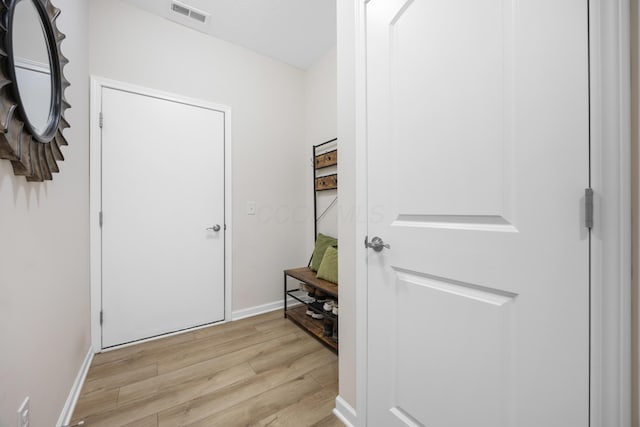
x=189, y=12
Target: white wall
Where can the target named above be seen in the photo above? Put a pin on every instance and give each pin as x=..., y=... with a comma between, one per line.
x=268, y=120
x=346, y=15
x=330, y=114
x=44, y=262
x=321, y=126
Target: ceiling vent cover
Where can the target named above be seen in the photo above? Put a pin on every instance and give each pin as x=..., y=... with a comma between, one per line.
x=189, y=12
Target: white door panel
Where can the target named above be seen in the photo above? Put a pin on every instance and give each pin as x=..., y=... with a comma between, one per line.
x=450, y=74
x=478, y=143
x=162, y=186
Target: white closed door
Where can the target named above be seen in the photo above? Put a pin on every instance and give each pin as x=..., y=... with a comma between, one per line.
x=478, y=159
x=162, y=188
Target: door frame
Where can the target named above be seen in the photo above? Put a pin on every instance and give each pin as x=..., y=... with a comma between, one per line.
x=95, y=197
x=610, y=346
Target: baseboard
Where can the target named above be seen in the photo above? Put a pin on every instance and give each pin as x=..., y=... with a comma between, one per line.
x=261, y=309
x=345, y=412
x=72, y=399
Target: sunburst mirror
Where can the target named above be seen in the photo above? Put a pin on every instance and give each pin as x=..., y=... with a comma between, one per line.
x=32, y=85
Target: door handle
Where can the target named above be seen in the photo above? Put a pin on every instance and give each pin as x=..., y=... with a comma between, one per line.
x=377, y=244
x=214, y=228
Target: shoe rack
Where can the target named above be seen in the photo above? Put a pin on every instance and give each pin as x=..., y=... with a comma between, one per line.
x=311, y=302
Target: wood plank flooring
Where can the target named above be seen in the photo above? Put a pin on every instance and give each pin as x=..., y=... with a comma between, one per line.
x=261, y=371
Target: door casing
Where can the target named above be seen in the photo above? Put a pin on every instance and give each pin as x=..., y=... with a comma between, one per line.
x=95, y=161
x=610, y=384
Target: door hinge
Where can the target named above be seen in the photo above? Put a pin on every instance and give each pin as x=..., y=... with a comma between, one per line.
x=100, y=120
x=588, y=208
x=101, y=317
x=100, y=218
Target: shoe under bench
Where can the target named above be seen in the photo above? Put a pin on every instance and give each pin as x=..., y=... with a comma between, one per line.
x=297, y=313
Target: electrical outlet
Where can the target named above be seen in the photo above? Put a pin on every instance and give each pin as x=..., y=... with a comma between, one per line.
x=251, y=208
x=23, y=413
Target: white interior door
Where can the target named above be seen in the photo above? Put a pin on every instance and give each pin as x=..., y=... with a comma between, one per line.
x=478, y=157
x=162, y=187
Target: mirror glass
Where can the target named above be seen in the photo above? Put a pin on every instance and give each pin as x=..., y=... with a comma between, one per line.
x=32, y=65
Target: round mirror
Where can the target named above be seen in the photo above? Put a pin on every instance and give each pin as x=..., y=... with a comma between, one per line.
x=32, y=83
x=32, y=62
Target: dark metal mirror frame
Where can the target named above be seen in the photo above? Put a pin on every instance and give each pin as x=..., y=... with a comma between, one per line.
x=32, y=154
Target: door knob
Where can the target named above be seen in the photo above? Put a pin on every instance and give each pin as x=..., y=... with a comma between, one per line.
x=214, y=228
x=377, y=244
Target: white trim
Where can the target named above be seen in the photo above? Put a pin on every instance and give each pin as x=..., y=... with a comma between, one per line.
x=610, y=241
x=228, y=218
x=360, y=83
x=635, y=244
x=74, y=393
x=611, y=249
x=345, y=412
x=97, y=83
x=243, y=313
x=95, y=245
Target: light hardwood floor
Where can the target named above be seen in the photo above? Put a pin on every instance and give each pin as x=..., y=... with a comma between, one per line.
x=261, y=371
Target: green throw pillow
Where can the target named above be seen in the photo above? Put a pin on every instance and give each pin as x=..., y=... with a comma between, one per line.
x=329, y=266
x=322, y=243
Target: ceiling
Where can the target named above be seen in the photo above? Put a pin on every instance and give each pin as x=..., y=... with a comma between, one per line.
x=297, y=32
